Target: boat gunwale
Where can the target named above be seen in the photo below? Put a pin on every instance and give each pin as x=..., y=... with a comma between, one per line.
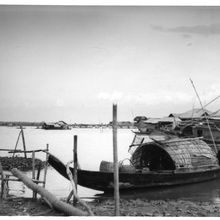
x=161, y=172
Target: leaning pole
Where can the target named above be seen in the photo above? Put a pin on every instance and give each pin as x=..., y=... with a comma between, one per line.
x=53, y=201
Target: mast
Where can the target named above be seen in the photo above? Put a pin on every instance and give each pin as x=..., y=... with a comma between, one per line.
x=205, y=115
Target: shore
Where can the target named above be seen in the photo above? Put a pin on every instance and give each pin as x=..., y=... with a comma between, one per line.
x=128, y=207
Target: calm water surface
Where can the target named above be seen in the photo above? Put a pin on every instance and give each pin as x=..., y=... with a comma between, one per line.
x=94, y=145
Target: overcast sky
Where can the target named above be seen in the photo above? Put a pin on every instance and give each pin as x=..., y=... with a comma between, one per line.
x=71, y=63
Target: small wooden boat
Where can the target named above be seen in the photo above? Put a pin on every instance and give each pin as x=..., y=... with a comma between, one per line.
x=60, y=125
x=155, y=164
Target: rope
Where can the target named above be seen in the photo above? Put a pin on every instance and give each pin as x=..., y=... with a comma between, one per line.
x=69, y=173
x=122, y=161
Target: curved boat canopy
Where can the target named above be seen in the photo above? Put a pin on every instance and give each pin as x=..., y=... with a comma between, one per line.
x=174, y=154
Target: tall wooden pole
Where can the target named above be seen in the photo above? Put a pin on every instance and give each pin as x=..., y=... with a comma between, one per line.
x=23, y=140
x=33, y=171
x=115, y=153
x=75, y=164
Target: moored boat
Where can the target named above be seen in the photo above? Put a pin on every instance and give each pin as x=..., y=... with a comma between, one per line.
x=60, y=125
x=156, y=161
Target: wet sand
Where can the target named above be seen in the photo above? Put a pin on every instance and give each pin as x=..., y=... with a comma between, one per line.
x=128, y=207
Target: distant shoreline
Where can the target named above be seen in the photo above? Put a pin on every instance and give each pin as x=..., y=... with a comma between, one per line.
x=127, y=124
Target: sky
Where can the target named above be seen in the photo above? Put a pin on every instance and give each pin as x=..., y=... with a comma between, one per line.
x=72, y=63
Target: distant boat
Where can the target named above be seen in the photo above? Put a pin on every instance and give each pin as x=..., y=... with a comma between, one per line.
x=156, y=161
x=60, y=125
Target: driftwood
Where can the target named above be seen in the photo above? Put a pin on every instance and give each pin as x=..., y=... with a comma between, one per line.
x=49, y=197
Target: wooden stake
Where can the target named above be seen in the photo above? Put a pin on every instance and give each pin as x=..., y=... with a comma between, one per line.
x=115, y=153
x=33, y=165
x=37, y=178
x=46, y=164
x=23, y=140
x=75, y=163
x=2, y=181
x=33, y=170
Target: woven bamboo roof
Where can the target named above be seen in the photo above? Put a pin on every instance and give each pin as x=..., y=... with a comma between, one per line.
x=190, y=153
x=185, y=153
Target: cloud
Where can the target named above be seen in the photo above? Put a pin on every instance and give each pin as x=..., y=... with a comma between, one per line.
x=205, y=30
x=153, y=98
x=112, y=97
x=164, y=97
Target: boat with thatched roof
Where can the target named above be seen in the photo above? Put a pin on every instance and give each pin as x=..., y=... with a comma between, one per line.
x=156, y=160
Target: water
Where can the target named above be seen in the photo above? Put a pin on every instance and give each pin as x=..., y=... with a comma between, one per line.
x=94, y=145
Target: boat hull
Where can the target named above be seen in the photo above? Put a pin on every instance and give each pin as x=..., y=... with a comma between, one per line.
x=104, y=181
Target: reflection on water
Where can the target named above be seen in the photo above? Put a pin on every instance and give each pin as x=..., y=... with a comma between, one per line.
x=94, y=145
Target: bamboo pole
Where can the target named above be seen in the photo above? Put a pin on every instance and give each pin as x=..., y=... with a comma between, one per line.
x=22, y=151
x=75, y=162
x=2, y=181
x=23, y=140
x=46, y=164
x=16, y=143
x=38, y=171
x=115, y=153
x=37, y=178
x=74, y=193
x=33, y=171
x=55, y=203
x=33, y=165
x=4, y=149
x=207, y=121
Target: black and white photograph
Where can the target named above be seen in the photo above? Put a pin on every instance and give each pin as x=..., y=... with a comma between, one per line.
x=110, y=110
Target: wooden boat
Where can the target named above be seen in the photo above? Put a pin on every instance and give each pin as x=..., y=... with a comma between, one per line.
x=60, y=125
x=155, y=164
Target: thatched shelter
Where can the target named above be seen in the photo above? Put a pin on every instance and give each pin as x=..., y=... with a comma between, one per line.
x=174, y=154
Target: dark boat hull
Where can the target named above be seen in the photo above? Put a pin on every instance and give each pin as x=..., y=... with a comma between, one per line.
x=104, y=181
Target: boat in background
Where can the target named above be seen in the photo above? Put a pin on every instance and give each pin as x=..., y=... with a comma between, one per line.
x=60, y=125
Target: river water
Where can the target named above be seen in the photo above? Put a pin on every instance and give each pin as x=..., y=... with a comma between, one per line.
x=94, y=145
